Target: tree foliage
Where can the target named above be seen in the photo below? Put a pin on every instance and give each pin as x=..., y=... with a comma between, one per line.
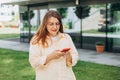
x=63, y=12
x=115, y=7
x=82, y=11
x=26, y=15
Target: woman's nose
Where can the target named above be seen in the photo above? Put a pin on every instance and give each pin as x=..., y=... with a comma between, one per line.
x=55, y=26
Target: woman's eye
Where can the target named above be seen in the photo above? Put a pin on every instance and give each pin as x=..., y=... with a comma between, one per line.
x=57, y=23
x=51, y=24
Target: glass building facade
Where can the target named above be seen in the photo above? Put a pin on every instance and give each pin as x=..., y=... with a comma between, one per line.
x=86, y=24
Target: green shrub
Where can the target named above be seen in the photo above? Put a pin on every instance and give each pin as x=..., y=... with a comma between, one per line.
x=99, y=43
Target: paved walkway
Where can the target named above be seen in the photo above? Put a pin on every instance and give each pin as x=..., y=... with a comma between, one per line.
x=85, y=55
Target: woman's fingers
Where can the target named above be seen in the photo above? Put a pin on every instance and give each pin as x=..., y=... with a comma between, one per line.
x=58, y=53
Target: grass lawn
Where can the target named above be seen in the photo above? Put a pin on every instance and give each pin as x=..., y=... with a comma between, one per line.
x=14, y=65
x=8, y=36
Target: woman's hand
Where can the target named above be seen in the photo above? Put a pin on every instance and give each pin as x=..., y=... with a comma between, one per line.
x=68, y=59
x=54, y=55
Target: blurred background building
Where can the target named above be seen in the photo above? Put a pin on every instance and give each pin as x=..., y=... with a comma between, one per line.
x=9, y=16
x=87, y=21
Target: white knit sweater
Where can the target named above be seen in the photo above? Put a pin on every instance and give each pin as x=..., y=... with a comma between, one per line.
x=55, y=69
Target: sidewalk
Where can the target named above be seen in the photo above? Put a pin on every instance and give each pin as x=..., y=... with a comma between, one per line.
x=84, y=55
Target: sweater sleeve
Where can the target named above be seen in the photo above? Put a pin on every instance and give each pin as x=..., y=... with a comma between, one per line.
x=36, y=59
x=73, y=51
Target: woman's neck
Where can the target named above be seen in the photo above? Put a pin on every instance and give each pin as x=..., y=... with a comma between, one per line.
x=54, y=38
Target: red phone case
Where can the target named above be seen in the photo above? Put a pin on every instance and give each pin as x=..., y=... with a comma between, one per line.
x=65, y=49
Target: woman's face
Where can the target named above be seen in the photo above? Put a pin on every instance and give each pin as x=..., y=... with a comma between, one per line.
x=53, y=26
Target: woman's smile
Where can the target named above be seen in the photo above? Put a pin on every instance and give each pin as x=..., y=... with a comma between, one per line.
x=54, y=30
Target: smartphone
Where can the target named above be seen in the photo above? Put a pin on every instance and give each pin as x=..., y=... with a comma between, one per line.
x=65, y=49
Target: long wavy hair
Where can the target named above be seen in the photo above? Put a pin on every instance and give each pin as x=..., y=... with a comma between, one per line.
x=41, y=35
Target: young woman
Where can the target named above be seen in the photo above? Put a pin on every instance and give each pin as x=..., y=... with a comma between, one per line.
x=46, y=55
